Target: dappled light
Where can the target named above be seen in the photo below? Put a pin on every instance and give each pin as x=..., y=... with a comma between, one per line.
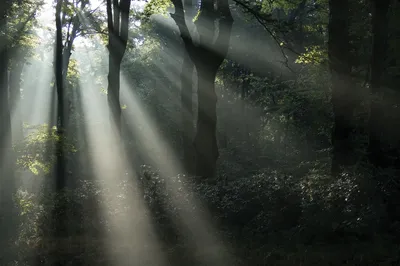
x=201, y=133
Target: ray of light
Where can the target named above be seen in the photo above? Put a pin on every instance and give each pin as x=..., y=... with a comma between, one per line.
x=204, y=243
x=132, y=238
x=36, y=101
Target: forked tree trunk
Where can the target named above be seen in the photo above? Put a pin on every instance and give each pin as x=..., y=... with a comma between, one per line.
x=117, y=22
x=207, y=56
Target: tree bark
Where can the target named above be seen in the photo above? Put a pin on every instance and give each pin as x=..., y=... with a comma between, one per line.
x=380, y=23
x=113, y=93
x=58, y=71
x=205, y=142
x=343, y=98
x=117, y=22
x=377, y=148
x=187, y=114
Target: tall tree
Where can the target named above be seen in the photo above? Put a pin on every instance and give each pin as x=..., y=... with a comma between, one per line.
x=380, y=21
x=207, y=55
x=72, y=27
x=187, y=104
x=118, y=25
x=7, y=186
x=343, y=99
x=58, y=71
x=187, y=113
x=377, y=145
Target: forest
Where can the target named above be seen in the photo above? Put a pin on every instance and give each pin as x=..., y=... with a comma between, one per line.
x=201, y=133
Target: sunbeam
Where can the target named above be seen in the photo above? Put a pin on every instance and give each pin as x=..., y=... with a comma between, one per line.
x=131, y=237
x=196, y=227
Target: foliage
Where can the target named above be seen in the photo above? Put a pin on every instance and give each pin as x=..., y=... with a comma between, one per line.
x=268, y=6
x=313, y=55
x=37, y=152
x=21, y=27
x=303, y=218
x=156, y=7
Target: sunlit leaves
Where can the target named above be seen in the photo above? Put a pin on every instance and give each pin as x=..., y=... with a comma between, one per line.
x=73, y=74
x=268, y=6
x=37, y=152
x=313, y=55
x=156, y=7
x=20, y=27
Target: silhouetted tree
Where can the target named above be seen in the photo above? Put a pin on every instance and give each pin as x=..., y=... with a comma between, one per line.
x=7, y=181
x=118, y=25
x=343, y=96
x=207, y=56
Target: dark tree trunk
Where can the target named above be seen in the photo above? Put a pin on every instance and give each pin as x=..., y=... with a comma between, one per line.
x=66, y=56
x=7, y=181
x=343, y=98
x=243, y=96
x=207, y=57
x=58, y=71
x=187, y=114
x=380, y=22
x=59, y=214
x=187, y=103
x=117, y=22
x=377, y=148
x=205, y=142
x=113, y=93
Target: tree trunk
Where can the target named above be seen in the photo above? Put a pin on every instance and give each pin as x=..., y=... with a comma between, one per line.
x=207, y=57
x=58, y=71
x=243, y=96
x=380, y=22
x=187, y=114
x=205, y=141
x=7, y=181
x=376, y=148
x=59, y=214
x=118, y=25
x=343, y=98
x=113, y=93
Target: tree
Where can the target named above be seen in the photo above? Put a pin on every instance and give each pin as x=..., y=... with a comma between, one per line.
x=343, y=99
x=207, y=56
x=380, y=21
x=7, y=182
x=378, y=143
x=60, y=83
x=118, y=26
x=187, y=106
